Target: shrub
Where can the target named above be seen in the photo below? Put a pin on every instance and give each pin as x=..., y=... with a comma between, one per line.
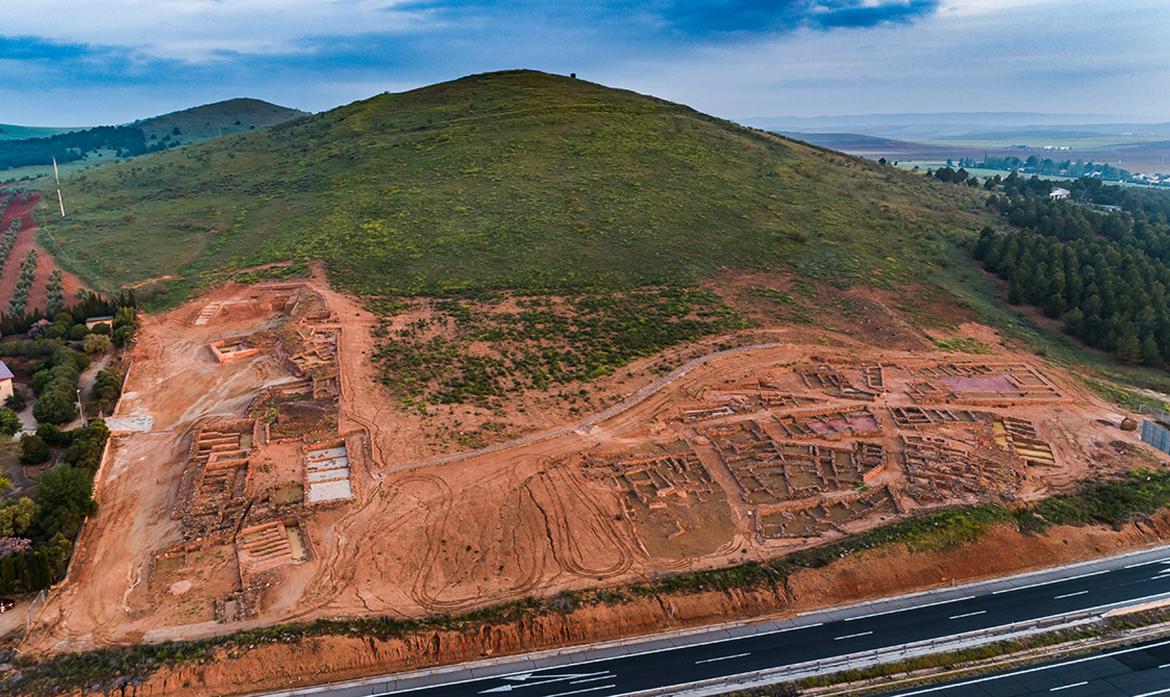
x=16, y=402
x=65, y=496
x=9, y=421
x=123, y=336
x=53, y=435
x=78, y=332
x=106, y=388
x=97, y=344
x=85, y=447
x=57, y=404
x=33, y=450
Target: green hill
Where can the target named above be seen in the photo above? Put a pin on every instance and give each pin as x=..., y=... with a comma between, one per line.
x=214, y=120
x=31, y=155
x=517, y=180
x=10, y=131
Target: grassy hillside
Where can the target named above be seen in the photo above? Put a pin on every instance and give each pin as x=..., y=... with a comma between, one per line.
x=506, y=180
x=214, y=120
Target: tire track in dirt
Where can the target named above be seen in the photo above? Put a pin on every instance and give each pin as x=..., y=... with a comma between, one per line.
x=550, y=490
x=512, y=545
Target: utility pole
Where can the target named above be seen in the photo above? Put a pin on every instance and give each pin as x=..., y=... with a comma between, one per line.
x=57, y=176
x=81, y=409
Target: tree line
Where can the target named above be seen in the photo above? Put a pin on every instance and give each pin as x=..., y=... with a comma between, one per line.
x=125, y=141
x=1100, y=262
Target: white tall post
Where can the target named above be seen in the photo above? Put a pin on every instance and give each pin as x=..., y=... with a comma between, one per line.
x=57, y=176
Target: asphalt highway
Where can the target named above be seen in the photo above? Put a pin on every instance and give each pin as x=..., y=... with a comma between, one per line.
x=925, y=617
x=1137, y=671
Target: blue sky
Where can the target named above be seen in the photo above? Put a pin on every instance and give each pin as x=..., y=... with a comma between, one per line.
x=80, y=62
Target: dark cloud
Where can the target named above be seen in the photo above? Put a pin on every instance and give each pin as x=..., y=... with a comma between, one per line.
x=693, y=18
x=699, y=18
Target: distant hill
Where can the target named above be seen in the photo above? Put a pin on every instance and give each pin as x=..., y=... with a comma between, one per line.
x=519, y=180
x=214, y=120
x=923, y=126
x=141, y=137
x=875, y=147
x=13, y=132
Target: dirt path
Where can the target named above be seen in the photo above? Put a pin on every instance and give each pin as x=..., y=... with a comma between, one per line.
x=26, y=242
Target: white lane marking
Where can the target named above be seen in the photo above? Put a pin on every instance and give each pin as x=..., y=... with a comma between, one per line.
x=1069, y=595
x=1037, y=669
x=521, y=680
x=607, y=676
x=583, y=689
x=852, y=636
x=967, y=614
x=1049, y=583
x=912, y=607
x=724, y=658
x=1065, y=687
x=1155, y=692
x=1147, y=563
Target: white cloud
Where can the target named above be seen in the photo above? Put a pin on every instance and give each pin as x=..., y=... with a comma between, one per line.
x=967, y=8
x=202, y=30
x=1092, y=57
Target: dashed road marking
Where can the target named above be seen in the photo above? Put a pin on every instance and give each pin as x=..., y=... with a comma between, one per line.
x=724, y=658
x=852, y=636
x=968, y=614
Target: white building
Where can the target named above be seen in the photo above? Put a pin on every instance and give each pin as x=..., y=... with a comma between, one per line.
x=5, y=382
x=1059, y=194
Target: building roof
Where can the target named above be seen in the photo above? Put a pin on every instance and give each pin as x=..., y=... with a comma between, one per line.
x=5, y=372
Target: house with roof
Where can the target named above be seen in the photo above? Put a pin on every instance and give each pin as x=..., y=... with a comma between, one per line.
x=1059, y=194
x=5, y=381
x=91, y=322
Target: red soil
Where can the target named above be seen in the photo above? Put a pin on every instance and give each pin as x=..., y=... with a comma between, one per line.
x=45, y=264
x=867, y=575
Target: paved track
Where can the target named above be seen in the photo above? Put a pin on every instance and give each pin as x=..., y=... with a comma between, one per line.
x=672, y=662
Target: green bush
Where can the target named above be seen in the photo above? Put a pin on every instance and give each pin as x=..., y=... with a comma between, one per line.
x=96, y=344
x=122, y=336
x=9, y=421
x=15, y=402
x=53, y=435
x=65, y=496
x=33, y=449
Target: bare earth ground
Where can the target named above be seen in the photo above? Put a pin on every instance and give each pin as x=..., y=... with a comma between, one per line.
x=207, y=522
x=25, y=242
x=870, y=574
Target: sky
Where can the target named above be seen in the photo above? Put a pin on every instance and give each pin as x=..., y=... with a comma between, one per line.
x=88, y=62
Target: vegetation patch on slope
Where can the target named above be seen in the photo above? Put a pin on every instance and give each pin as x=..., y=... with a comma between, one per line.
x=456, y=350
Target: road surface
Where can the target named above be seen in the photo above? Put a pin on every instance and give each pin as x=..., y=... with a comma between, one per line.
x=658, y=663
x=1137, y=671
